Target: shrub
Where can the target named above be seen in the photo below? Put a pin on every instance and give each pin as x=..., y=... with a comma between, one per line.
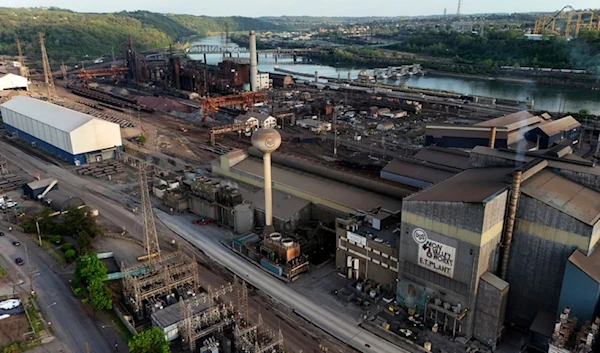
x=66, y=246
x=69, y=254
x=56, y=239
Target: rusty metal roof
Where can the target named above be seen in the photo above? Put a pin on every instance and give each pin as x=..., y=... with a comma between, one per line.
x=505, y=121
x=471, y=186
x=564, y=195
x=555, y=127
x=590, y=265
x=444, y=156
x=420, y=170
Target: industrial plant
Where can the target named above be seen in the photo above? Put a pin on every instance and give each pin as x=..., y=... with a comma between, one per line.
x=417, y=211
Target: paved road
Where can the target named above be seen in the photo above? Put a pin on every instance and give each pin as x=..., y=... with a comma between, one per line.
x=321, y=316
x=72, y=325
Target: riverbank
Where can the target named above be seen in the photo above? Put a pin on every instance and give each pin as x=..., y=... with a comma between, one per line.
x=476, y=77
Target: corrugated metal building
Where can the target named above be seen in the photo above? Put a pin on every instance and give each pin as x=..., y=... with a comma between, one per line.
x=556, y=131
x=10, y=81
x=61, y=201
x=581, y=286
x=450, y=239
x=520, y=131
x=75, y=137
x=555, y=217
x=558, y=215
x=415, y=172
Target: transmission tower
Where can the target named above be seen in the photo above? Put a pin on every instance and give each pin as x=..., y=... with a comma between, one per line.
x=22, y=69
x=242, y=298
x=458, y=8
x=150, y=235
x=47, y=71
x=63, y=70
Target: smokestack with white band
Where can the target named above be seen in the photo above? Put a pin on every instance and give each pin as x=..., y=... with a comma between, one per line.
x=253, y=63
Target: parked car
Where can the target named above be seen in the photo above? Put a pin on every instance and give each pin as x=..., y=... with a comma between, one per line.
x=203, y=222
x=9, y=304
x=19, y=261
x=16, y=243
x=1, y=234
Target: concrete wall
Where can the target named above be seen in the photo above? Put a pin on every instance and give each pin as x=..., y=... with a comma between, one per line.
x=489, y=315
x=202, y=208
x=580, y=293
x=377, y=262
x=543, y=240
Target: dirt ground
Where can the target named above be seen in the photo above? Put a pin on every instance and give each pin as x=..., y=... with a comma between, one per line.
x=12, y=329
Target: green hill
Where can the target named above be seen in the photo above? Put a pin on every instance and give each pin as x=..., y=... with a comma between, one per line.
x=71, y=36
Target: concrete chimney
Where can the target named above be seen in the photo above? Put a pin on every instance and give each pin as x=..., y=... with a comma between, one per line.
x=267, y=141
x=253, y=62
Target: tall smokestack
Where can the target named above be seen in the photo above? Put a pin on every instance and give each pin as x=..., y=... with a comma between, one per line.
x=253, y=62
x=267, y=141
x=510, y=221
x=492, y=137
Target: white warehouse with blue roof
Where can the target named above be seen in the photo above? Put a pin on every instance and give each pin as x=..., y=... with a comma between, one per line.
x=75, y=137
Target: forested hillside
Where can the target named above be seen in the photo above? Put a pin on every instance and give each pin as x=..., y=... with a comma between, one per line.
x=71, y=36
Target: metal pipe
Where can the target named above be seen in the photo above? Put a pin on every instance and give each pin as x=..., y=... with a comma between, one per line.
x=253, y=62
x=510, y=221
x=268, y=190
x=492, y=137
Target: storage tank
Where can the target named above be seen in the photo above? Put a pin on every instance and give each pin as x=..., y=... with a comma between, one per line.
x=61, y=201
x=243, y=218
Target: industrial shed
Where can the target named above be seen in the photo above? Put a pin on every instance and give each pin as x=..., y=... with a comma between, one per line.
x=37, y=187
x=450, y=240
x=415, y=172
x=556, y=131
x=61, y=201
x=10, y=81
x=72, y=136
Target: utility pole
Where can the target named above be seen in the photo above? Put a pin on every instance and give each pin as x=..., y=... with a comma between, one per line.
x=113, y=54
x=47, y=71
x=22, y=69
x=63, y=69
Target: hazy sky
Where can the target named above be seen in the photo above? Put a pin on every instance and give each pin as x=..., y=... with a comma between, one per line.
x=255, y=8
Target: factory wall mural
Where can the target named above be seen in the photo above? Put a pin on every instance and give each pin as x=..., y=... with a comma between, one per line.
x=433, y=255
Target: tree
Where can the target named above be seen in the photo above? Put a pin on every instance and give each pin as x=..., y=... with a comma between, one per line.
x=142, y=139
x=84, y=241
x=99, y=295
x=151, y=340
x=90, y=274
x=584, y=112
x=69, y=254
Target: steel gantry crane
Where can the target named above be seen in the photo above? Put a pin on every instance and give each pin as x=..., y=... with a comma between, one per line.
x=562, y=22
x=212, y=104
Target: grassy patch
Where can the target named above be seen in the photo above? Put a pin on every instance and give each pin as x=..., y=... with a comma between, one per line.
x=2, y=273
x=34, y=317
x=119, y=325
x=58, y=256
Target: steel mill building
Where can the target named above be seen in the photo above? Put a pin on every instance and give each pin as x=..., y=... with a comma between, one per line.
x=506, y=250
x=72, y=136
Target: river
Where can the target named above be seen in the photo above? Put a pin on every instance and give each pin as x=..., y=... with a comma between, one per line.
x=545, y=97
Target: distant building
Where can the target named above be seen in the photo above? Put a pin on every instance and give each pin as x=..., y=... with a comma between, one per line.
x=367, y=247
x=385, y=126
x=10, y=81
x=264, y=81
x=281, y=80
x=259, y=120
x=72, y=136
